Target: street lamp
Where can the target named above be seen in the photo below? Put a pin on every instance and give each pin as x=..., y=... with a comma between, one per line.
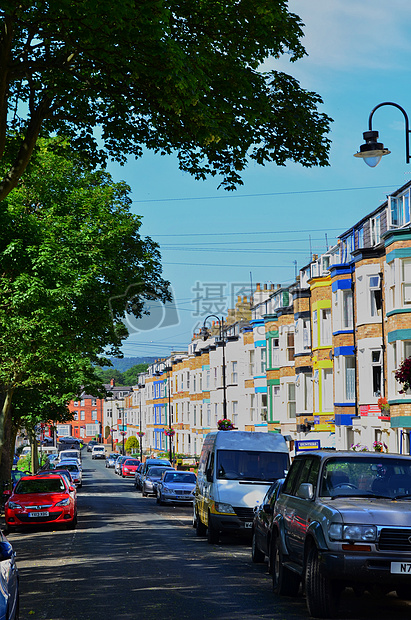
x=140, y=432
x=372, y=151
x=205, y=332
x=170, y=431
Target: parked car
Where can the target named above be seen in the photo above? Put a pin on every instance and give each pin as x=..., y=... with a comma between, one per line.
x=148, y=463
x=111, y=459
x=262, y=524
x=137, y=476
x=151, y=478
x=91, y=444
x=41, y=499
x=69, y=442
x=61, y=472
x=343, y=519
x=118, y=463
x=128, y=467
x=9, y=591
x=70, y=454
x=176, y=487
x=98, y=452
x=16, y=474
x=73, y=468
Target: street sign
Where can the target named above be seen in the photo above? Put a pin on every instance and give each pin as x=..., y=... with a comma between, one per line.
x=307, y=444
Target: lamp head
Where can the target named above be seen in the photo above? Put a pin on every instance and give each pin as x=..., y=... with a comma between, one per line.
x=205, y=333
x=372, y=151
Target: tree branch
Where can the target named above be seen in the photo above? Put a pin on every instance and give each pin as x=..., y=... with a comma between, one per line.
x=26, y=149
x=5, y=52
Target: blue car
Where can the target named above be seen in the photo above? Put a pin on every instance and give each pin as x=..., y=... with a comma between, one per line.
x=9, y=581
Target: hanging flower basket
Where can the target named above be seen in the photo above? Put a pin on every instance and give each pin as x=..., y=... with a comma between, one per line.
x=403, y=375
x=380, y=446
x=141, y=435
x=170, y=432
x=384, y=406
x=225, y=425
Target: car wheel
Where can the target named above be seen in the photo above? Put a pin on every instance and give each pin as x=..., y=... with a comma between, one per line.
x=72, y=524
x=213, y=534
x=201, y=529
x=257, y=556
x=322, y=593
x=285, y=581
x=8, y=529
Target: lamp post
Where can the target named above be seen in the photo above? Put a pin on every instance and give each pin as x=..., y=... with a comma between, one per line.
x=140, y=432
x=372, y=151
x=169, y=432
x=205, y=332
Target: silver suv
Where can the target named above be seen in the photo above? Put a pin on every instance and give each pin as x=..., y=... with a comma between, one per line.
x=343, y=519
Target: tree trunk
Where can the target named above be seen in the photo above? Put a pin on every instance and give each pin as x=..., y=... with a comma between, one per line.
x=7, y=436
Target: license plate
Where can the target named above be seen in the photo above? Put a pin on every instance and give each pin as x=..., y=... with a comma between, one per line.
x=183, y=497
x=39, y=514
x=401, y=568
x=248, y=524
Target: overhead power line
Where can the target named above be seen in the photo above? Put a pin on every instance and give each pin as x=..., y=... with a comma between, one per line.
x=306, y=191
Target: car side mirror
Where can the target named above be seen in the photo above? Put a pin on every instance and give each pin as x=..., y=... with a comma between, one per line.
x=209, y=475
x=7, y=493
x=268, y=509
x=71, y=488
x=6, y=551
x=305, y=491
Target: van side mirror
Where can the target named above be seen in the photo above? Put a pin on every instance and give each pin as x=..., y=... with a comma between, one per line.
x=209, y=475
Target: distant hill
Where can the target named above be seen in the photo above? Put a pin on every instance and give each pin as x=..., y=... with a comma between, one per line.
x=128, y=362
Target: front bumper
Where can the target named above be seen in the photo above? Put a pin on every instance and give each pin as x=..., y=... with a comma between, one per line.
x=231, y=523
x=14, y=519
x=363, y=568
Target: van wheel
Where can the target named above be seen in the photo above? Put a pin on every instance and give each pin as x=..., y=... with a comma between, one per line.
x=213, y=534
x=201, y=529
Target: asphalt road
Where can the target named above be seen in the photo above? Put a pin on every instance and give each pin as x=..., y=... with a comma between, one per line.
x=130, y=559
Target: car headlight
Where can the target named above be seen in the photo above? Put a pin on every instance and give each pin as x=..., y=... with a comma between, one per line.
x=13, y=505
x=352, y=532
x=168, y=489
x=225, y=508
x=64, y=502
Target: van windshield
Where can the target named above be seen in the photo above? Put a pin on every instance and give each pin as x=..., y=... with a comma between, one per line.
x=251, y=465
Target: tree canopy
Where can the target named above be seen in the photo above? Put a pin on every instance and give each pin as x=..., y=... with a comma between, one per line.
x=69, y=250
x=165, y=75
x=128, y=377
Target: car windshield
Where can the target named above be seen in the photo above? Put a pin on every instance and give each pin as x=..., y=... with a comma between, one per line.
x=69, y=455
x=180, y=476
x=131, y=462
x=366, y=476
x=156, y=472
x=251, y=465
x=69, y=467
x=40, y=485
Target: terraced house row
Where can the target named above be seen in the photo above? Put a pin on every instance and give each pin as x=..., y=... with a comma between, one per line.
x=310, y=360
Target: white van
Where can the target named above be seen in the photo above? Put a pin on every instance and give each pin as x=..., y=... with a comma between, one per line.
x=235, y=471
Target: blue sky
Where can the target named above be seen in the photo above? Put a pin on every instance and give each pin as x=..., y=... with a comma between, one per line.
x=213, y=243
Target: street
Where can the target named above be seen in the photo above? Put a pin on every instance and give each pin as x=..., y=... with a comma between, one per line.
x=130, y=558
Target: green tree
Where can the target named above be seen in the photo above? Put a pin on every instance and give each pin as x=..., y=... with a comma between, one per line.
x=111, y=373
x=69, y=249
x=130, y=376
x=132, y=444
x=169, y=76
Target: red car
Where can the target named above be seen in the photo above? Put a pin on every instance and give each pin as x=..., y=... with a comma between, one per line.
x=128, y=467
x=41, y=499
